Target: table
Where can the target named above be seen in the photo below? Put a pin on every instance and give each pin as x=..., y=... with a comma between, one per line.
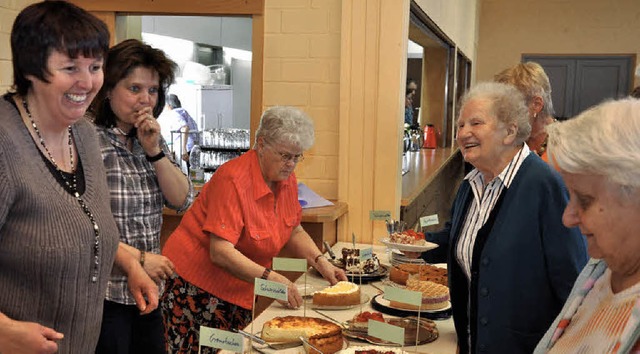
x=445, y=344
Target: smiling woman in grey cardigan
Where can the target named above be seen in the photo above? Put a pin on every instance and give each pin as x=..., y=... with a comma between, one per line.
x=58, y=238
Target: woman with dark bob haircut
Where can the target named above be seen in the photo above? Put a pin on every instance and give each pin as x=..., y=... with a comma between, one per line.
x=58, y=238
x=142, y=173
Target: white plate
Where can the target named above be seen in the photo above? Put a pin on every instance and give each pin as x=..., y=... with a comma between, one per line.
x=364, y=298
x=386, y=303
x=411, y=248
x=352, y=350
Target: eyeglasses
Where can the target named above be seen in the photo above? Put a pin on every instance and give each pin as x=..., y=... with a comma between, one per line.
x=286, y=157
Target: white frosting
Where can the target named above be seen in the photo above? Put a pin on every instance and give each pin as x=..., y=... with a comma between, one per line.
x=342, y=287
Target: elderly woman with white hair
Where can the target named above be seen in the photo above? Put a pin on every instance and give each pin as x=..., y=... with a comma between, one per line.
x=602, y=314
x=511, y=261
x=245, y=215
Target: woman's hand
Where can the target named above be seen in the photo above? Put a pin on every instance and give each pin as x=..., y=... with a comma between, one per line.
x=158, y=267
x=27, y=337
x=293, y=295
x=330, y=272
x=148, y=131
x=143, y=289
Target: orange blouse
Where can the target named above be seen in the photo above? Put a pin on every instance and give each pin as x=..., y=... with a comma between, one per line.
x=238, y=206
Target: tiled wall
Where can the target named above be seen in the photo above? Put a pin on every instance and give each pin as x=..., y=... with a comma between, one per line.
x=302, y=69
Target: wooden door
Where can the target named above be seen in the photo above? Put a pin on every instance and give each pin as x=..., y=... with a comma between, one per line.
x=580, y=82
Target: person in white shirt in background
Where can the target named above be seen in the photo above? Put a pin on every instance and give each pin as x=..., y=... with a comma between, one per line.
x=179, y=129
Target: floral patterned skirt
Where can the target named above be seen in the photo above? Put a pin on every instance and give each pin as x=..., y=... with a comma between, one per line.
x=185, y=307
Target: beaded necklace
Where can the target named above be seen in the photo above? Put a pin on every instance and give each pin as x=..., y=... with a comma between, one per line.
x=73, y=187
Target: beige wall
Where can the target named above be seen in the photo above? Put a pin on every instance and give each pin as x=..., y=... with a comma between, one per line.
x=302, y=69
x=8, y=11
x=510, y=28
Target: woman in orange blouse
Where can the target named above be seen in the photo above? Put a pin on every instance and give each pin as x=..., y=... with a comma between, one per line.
x=245, y=215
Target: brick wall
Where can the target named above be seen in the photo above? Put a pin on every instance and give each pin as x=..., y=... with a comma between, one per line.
x=302, y=69
x=8, y=11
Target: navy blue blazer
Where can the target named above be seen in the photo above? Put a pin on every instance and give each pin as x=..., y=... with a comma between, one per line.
x=524, y=263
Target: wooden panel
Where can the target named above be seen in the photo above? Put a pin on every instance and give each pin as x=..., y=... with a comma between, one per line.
x=108, y=18
x=190, y=7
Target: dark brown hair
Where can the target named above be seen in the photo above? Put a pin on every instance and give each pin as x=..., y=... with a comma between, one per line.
x=121, y=60
x=43, y=27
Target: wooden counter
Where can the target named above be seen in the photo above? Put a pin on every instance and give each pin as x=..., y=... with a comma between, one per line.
x=430, y=185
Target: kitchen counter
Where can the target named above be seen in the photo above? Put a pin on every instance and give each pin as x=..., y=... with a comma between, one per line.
x=431, y=183
x=445, y=344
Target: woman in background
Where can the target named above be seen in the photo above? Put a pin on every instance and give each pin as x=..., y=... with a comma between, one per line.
x=142, y=178
x=602, y=314
x=58, y=239
x=531, y=80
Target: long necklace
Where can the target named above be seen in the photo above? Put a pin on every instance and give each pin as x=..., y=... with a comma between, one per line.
x=73, y=187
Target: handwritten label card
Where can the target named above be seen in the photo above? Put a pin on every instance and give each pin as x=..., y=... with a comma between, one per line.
x=366, y=253
x=219, y=339
x=386, y=332
x=429, y=220
x=290, y=264
x=392, y=293
x=270, y=289
x=379, y=215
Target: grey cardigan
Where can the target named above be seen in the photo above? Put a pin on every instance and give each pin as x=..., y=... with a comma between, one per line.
x=46, y=240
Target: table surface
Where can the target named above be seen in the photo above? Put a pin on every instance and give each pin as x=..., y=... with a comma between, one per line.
x=445, y=344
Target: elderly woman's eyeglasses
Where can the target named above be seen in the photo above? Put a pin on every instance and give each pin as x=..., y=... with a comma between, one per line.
x=286, y=157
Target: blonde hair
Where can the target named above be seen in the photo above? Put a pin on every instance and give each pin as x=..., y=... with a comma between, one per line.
x=530, y=79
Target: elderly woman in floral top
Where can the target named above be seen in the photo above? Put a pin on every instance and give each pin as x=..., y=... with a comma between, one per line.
x=598, y=155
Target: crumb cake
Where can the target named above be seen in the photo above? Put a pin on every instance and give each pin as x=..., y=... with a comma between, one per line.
x=320, y=333
x=408, y=237
x=434, y=296
x=344, y=293
x=352, y=263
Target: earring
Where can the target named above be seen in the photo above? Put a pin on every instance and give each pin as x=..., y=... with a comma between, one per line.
x=535, y=115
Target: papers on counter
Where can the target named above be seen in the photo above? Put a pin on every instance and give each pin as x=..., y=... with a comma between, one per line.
x=309, y=198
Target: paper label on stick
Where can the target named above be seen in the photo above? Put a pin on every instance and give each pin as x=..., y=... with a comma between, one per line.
x=219, y=339
x=429, y=220
x=366, y=253
x=386, y=332
x=392, y=293
x=271, y=289
x=379, y=215
x=289, y=264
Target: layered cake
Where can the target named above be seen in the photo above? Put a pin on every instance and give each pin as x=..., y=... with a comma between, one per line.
x=434, y=296
x=344, y=293
x=352, y=263
x=322, y=334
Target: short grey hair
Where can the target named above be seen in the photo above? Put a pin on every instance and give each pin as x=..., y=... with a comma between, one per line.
x=506, y=104
x=603, y=140
x=286, y=125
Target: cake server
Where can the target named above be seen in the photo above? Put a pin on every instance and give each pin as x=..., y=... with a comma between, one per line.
x=329, y=250
x=275, y=346
x=341, y=324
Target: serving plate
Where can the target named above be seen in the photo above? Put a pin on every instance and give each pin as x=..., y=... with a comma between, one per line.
x=356, y=277
x=380, y=304
x=427, y=332
x=410, y=248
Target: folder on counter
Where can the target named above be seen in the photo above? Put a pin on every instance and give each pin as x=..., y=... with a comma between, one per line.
x=309, y=198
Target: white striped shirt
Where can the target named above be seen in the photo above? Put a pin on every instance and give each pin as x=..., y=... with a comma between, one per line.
x=484, y=200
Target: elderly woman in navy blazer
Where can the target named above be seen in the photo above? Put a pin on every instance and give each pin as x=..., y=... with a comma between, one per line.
x=511, y=261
